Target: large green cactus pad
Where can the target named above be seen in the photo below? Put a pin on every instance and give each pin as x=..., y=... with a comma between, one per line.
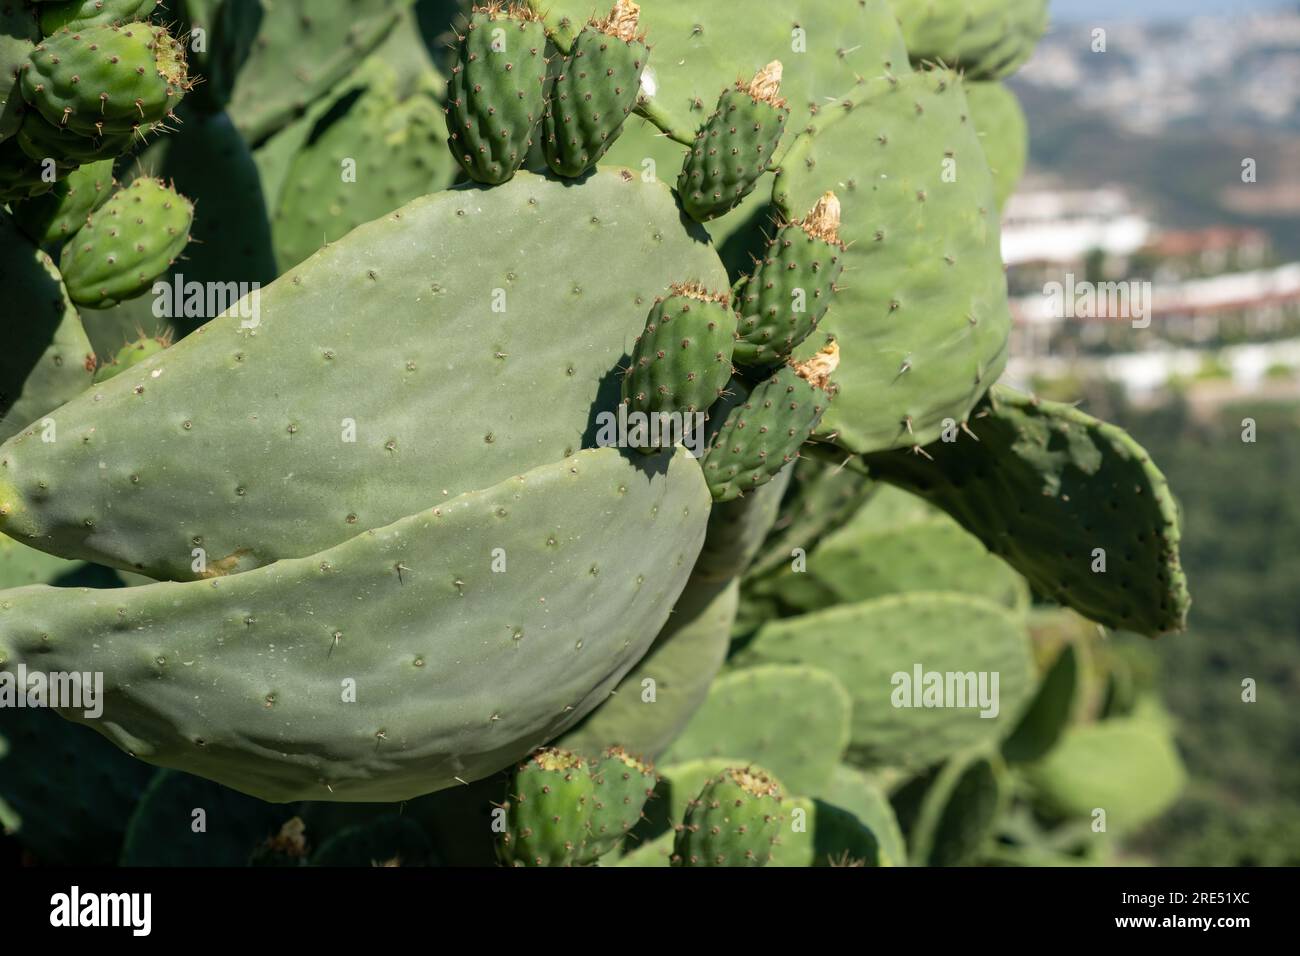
x=986, y=39
x=880, y=553
x=791, y=718
x=922, y=319
x=1126, y=767
x=698, y=49
x=868, y=644
x=47, y=359
x=1050, y=489
x=395, y=329
x=398, y=662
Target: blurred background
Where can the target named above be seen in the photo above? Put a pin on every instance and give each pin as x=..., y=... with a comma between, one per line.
x=1139, y=169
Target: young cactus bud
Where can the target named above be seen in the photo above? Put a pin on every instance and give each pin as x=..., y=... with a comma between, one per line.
x=497, y=92
x=126, y=244
x=792, y=288
x=733, y=822
x=548, y=809
x=144, y=347
x=682, y=362
x=106, y=80
x=622, y=785
x=595, y=91
x=735, y=146
x=763, y=430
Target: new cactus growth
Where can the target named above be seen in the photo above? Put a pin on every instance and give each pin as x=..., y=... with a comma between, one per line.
x=621, y=784
x=497, y=92
x=735, y=821
x=793, y=286
x=126, y=244
x=735, y=147
x=595, y=92
x=765, y=428
x=548, y=811
x=106, y=80
x=132, y=354
x=681, y=362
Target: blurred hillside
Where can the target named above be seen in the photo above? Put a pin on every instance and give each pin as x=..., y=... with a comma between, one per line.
x=1136, y=179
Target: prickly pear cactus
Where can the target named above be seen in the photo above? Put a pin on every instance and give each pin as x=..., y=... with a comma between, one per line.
x=681, y=363
x=735, y=146
x=1031, y=472
x=792, y=288
x=621, y=784
x=735, y=821
x=327, y=459
x=548, y=811
x=498, y=91
x=767, y=424
x=598, y=84
x=126, y=244
x=106, y=80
